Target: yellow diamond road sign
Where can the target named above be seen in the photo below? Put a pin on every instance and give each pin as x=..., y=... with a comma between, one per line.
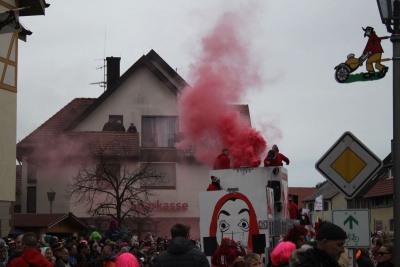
x=348, y=164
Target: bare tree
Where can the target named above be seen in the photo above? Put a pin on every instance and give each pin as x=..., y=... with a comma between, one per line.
x=111, y=188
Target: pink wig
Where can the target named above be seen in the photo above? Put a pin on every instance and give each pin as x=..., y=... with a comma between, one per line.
x=281, y=253
x=127, y=260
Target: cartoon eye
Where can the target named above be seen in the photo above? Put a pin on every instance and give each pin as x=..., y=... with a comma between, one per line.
x=223, y=226
x=244, y=225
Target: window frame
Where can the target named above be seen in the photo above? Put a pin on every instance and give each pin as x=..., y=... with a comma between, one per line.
x=165, y=185
x=150, y=140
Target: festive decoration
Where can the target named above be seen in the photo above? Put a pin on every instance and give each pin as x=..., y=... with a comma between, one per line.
x=372, y=55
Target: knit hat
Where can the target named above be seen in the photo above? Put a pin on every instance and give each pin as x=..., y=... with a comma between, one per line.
x=214, y=179
x=127, y=260
x=281, y=253
x=330, y=231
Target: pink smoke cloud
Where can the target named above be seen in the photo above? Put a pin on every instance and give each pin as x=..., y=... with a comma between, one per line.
x=220, y=77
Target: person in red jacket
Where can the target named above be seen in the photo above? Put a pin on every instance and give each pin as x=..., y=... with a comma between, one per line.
x=279, y=156
x=31, y=256
x=215, y=184
x=222, y=161
x=373, y=50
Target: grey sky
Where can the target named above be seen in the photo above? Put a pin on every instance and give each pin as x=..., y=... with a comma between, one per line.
x=296, y=44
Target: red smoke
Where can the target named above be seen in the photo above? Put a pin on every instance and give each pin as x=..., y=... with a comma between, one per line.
x=220, y=77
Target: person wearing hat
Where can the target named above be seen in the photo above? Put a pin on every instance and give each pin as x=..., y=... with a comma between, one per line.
x=373, y=50
x=215, y=184
x=330, y=246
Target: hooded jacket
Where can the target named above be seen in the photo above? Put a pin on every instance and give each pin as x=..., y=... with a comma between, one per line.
x=181, y=252
x=31, y=258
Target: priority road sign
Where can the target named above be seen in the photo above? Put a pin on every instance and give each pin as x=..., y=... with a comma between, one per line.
x=356, y=224
x=348, y=164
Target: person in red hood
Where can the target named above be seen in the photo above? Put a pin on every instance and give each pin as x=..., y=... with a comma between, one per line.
x=215, y=184
x=31, y=256
x=222, y=161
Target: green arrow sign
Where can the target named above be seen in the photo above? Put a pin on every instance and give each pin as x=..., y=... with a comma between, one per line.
x=350, y=220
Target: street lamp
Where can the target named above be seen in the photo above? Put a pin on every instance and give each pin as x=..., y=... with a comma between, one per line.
x=389, y=11
x=51, y=196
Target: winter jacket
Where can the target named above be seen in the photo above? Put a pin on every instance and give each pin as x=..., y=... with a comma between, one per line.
x=181, y=252
x=31, y=258
x=222, y=162
x=213, y=187
x=311, y=258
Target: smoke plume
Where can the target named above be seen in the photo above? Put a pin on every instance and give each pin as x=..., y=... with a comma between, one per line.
x=209, y=115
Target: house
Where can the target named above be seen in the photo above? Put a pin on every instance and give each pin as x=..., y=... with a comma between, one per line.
x=301, y=193
x=10, y=32
x=376, y=195
x=146, y=95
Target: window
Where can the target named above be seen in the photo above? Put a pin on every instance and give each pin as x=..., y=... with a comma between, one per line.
x=115, y=118
x=31, y=173
x=390, y=174
x=31, y=199
x=391, y=225
x=159, y=131
x=378, y=225
x=311, y=206
x=113, y=170
x=326, y=205
x=169, y=171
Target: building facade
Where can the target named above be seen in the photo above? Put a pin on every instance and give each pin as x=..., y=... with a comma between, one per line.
x=10, y=32
x=146, y=95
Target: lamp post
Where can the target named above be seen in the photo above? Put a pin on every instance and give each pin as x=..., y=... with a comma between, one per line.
x=389, y=11
x=51, y=196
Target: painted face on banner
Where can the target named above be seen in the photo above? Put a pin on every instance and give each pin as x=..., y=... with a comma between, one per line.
x=234, y=221
x=234, y=217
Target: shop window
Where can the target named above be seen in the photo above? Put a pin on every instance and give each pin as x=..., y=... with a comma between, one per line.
x=159, y=131
x=169, y=179
x=31, y=199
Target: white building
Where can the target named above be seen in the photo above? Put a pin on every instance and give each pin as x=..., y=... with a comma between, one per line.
x=147, y=95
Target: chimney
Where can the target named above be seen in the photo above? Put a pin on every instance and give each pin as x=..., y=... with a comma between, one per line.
x=113, y=66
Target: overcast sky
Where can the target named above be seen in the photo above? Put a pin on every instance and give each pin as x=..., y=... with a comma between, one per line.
x=296, y=44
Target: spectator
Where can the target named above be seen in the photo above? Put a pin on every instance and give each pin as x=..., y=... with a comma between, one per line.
x=376, y=243
x=227, y=253
x=281, y=254
x=72, y=255
x=330, y=245
x=127, y=260
x=63, y=260
x=119, y=127
x=222, y=161
x=109, y=256
x=18, y=248
x=181, y=251
x=363, y=259
x=3, y=253
x=47, y=253
x=132, y=128
x=386, y=257
x=252, y=260
x=215, y=184
x=31, y=257
x=108, y=126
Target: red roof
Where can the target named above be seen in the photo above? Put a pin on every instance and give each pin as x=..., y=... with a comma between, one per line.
x=32, y=220
x=302, y=192
x=382, y=188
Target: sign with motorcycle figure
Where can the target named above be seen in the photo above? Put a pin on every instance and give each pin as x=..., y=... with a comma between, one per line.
x=371, y=56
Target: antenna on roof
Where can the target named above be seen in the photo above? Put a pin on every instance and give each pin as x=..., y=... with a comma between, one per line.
x=104, y=82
